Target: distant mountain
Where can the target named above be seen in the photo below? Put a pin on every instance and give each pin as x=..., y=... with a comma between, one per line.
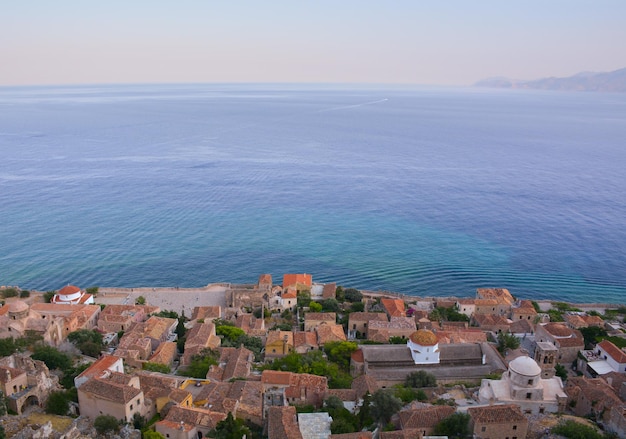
x=585, y=81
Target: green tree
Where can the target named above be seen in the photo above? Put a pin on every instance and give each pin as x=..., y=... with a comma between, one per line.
x=408, y=394
x=575, y=430
x=315, y=307
x=48, y=295
x=140, y=300
x=200, y=364
x=105, y=424
x=9, y=292
x=304, y=298
x=353, y=295
x=507, y=341
x=330, y=305
x=340, y=294
x=357, y=307
x=384, y=406
x=591, y=334
x=89, y=342
x=67, y=381
x=151, y=434
x=139, y=421
x=230, y=333
x=340, y=352
x=2, y=432
x=364, y=416
x=560, y=371
x=8, y=346
x=92, y=290
x=24, y=294
x=57, y=403
x=455, y=426
x=156, y=367
x=230, y=428
x=53, y=358
x=420, y=378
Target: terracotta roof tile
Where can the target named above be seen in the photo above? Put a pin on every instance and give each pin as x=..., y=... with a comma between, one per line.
x=295, y=279
x=282, y=423
x=497, y=414
x=615, y=352
x=426, y=417
x=394, y=307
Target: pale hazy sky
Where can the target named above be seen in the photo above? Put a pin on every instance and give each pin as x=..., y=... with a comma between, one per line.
x=352, y=41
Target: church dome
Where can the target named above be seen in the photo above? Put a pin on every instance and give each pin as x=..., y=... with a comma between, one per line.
x=525, y=366
x=424, y=337
x=17, y=307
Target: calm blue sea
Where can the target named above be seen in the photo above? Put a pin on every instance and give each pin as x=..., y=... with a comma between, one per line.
x=425, y=191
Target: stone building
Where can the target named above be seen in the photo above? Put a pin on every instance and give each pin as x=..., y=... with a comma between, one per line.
x=498, y=422
x=522, y=385
x=568, y=341
x=26, y=382
x=114, y=394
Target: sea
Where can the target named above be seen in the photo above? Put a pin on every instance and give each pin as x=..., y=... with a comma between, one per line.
x=425, y=191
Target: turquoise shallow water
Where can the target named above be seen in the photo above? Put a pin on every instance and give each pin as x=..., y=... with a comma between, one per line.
x=420, y=191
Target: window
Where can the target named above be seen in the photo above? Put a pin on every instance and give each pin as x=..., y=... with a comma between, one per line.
x=354, y=326
x=529, y=395
x=515, y=427
x=483, y=429
x=541, y=410
x=138, y=401
x=530, y=382
x=131, y=406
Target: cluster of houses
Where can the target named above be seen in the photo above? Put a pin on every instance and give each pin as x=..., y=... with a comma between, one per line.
x=116, y=383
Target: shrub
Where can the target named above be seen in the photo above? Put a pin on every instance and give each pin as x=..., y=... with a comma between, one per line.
x=58, y=403
x=576, y=430
x=24, y=294
x=106, y=423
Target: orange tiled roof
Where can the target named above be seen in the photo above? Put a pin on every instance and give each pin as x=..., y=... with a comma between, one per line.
x=329, y=332
x=426, y=417
x=295, y=279
x=99, y=366
x=394, y=307
x=69, y=290
x=282, y=423
x=558, y=330
x=110, y=391
x=616, y=353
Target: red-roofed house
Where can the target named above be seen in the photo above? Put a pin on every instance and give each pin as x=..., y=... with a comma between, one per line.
x=102, y=366
x=72, y=295
x=569, y=341
x=498, y=421
x=393, y=307
x=282, y=388
x=614, y=356
x=299, y=281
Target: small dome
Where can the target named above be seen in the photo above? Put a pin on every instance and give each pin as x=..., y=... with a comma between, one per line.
x=424, y=337
x=525, y=366
x=69, y=290
x=18, y=306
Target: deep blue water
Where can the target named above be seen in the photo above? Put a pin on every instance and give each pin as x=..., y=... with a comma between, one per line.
x=421, y=191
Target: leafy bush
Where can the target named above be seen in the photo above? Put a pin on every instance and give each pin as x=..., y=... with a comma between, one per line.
x=24, y=294
x=156, y=367
x=106, y=423
x=353, y=295
x=420, y=378
x=576, y=430
x=53, y=358
x=9, y=292
x=58, y=403
x=455, y=426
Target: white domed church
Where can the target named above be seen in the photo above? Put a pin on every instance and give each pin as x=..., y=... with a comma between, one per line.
x=72, y=295
x=522, y=384
x=424, y=347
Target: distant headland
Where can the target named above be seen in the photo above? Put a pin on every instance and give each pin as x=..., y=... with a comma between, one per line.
x=608, y=82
